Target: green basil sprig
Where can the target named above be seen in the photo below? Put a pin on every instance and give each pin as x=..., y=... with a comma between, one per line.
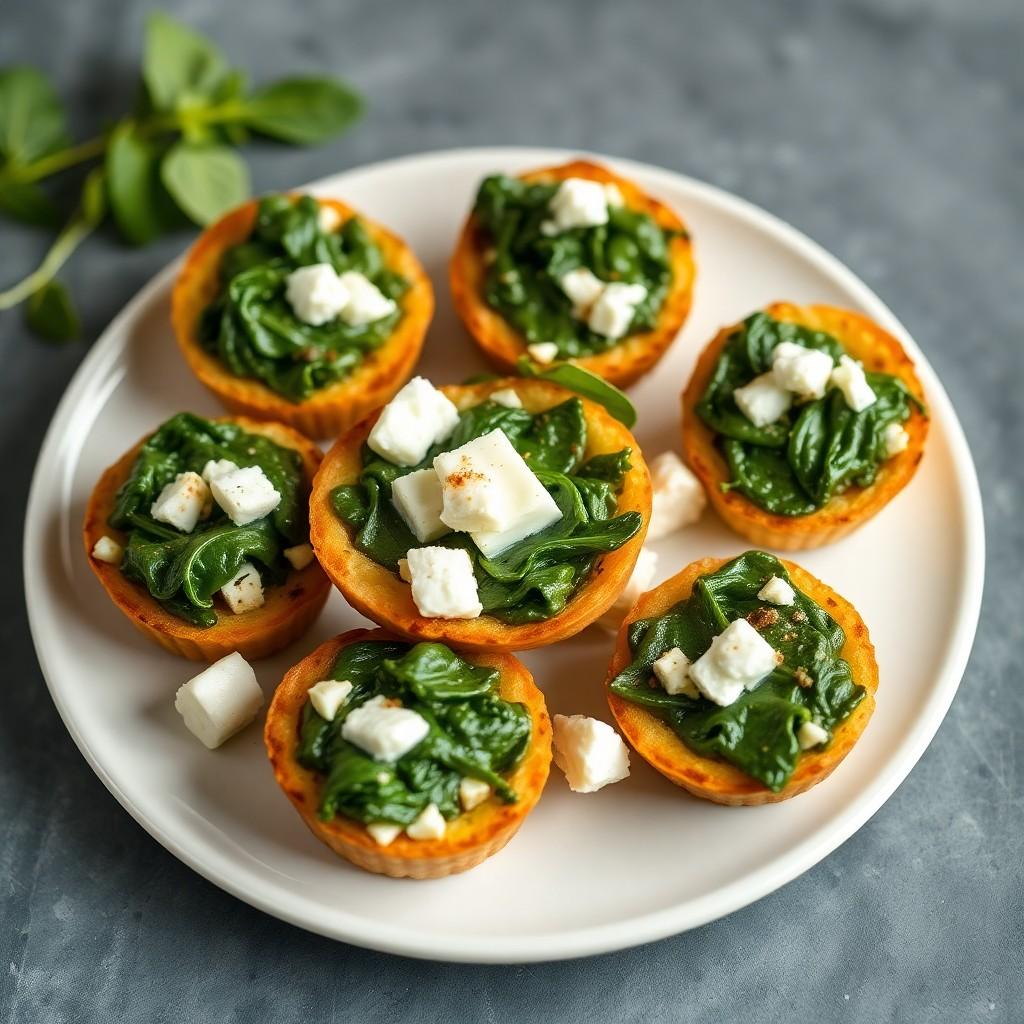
x=171, y=160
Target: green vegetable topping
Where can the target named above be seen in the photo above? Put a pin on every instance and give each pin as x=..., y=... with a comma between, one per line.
x=252, y=329
x=794, y=466
x=183, y=571
x=522, y=281
x=472, y=733
x=535, y=579
x=758, y=732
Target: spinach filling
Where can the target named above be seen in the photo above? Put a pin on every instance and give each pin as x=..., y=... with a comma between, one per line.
x=522, y=281
x=251, y=328
x=794, y=467
x=536, y=578
x=757, y=733
x=183, y=571
x=473, y=733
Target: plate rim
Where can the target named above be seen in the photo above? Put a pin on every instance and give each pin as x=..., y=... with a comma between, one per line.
x=634, y=931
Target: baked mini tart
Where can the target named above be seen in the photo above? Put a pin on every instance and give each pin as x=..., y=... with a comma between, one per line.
x=840, y=685
x=378, y=591
x=298, y=737
x=292, y=599
x=876, y=476
x=317, y=411
x=622, y=360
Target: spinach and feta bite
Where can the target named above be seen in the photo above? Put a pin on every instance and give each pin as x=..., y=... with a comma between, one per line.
x=802, y=422
x=411, y=760
x=744, y=681
x=505, y=514
x=301, y=310
x=200, y=535
x=572, y=263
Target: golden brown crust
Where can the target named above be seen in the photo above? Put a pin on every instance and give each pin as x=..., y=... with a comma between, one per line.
x=879, y=351
x=290, y=609
x=626, y=361
x=715, y=780
x=332, y=409
x=380, y=595
x=469, y=839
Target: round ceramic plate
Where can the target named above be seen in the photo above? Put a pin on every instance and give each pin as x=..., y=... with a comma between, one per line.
x=560, y=888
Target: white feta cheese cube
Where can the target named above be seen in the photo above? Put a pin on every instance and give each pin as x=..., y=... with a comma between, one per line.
x=244, y=592
x=804, y=371
x=416, y=418
x=429, y=825
x=777, y=591
x=215, y=468
x=613, y=195
x=612, y=313
x=328, y=695
x=762, y=401
x=472, y=792
x=245, y=495
x=507, y=397
x=222, y=700
x=849, y=377
x=315, y=293
x=443, y=584
x=417, y=499
x=583, y=288
x=590, y=753
x=366, y=302
x=738, y=659
x=299, y=556
x=181, y=502
x=896, y=439
x=810, y=734
x=383, y=832
x=672, y=670
x=386, y=731
x=578, y=203
x=330, y=219
x=638, y=583
x=678, y=497
x=404, y=571
x=543, y=352
x=106, y=549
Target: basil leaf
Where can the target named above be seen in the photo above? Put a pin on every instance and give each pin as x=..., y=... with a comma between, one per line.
x=28, y=203
x=51, y=314
x=303, y=111
x=205, y=179
x=179, y=65
x=31, y=116
x=138, y=200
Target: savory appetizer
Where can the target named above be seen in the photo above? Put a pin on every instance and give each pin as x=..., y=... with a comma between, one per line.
x=802, y=422
x=409, y=760
x=573, y=262
x=744, y=681
x=200, y=535
x=302, y=311
x=501, y=515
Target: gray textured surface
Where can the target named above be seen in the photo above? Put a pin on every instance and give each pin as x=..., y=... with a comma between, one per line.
x=890, y=131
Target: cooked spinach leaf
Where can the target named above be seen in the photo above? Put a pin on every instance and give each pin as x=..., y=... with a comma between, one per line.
x=473, y=732
x=252, y=329
x=757, y=733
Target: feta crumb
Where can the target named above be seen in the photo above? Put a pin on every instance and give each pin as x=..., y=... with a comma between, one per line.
x=639, y=581
x=849, y=377
x=216, y=468
x=777, y=591
x=895, y=438
x=244, y=592
x=366, y=302
x=181, y=502
x=472, y=792
x=613, y=311
x=328, y=695
x=762, y=401
x=738, y=659
x=329, y=217
x=583, y=288
x=507, y=397
x=672, y=670
x=678, y=497
x=429, y=825
x=418, y=417
x=316, y=293
x=404, y=571
x=802, y=370
x=383, y=832
x=543, y=352
x=577, y=203
x=613, y=194
x=443, y=584
x=810, y=734
x=590, y=753
x=384, y=731
x=106, y=549
x=417, y=499
x=222, y=700
x=245, y=495
x=299, y=556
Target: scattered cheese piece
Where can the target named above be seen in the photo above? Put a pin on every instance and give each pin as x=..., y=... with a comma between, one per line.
x=777, y=591
x=383, y=832
x=739, y=658
x=672, y=670
x=507, y=397
x=614, y=195
x=472, y=792
x=316, y=293
x=543, y=352
x=429, y=825
x=896, y=439
x=417, y=499
x=577, y=203
x=245, y=495
x=385, y=731
x=366, y=302
x=613, y=312
x=106, y=549
x=244, y=592
x=329, y=217
x=181, y=502
x=810, y=734
x=679, y=499
x=416, y=418
x=328, y=695
x=299, y=556
x=640, y=581
x=762, y=401
x=583, y=288
x=849, y=377
x=443, y=584
x=216, y=468
x=404, y=571
x=590, y=753
x=804, y=371
x=222, y=700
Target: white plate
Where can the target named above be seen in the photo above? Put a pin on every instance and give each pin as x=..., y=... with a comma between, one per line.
x=587, y=874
